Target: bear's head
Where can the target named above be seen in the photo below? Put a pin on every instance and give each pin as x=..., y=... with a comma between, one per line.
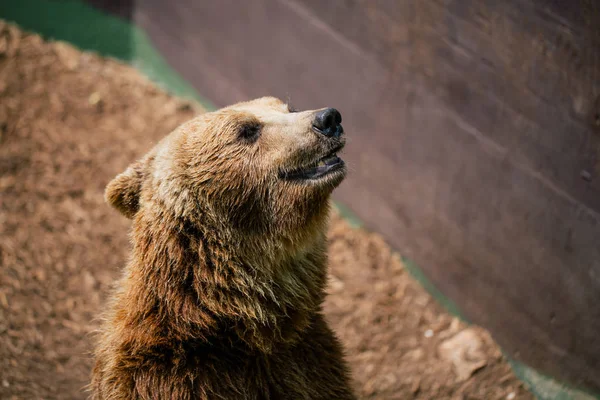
x=257, y=167
x=231, y=208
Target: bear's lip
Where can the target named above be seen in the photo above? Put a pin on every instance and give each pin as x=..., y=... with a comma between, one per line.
x=320, y=168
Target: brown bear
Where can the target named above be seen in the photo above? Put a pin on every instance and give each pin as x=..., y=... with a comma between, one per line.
x=222, y=297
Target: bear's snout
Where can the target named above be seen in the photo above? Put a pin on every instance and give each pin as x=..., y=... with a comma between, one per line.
x=328, y=122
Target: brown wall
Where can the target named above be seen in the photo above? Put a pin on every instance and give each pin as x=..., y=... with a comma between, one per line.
x=474, y=145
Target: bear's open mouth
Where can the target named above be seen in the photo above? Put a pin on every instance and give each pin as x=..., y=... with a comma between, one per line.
x=317, y=169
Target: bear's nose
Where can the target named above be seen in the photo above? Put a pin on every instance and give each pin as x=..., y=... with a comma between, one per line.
x=327, y=122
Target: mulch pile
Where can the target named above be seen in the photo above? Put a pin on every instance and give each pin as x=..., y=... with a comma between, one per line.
x=69, y=122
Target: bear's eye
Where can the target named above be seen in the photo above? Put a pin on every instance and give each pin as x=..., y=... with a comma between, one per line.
x=250, y=131
x=291, y=108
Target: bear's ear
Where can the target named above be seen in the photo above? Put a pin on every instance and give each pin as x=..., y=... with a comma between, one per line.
x=123, y=192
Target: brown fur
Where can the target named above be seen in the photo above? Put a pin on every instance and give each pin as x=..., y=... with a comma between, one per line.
x=222, y=296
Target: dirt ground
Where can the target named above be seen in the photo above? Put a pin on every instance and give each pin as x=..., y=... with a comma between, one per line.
x=69, y=122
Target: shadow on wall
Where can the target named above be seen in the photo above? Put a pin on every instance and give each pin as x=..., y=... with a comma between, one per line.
x=121, y=8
